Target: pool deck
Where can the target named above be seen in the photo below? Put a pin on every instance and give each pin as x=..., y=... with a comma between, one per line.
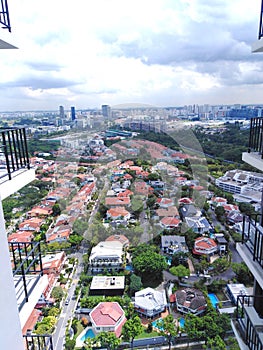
x=79, y=342
x=145, y=321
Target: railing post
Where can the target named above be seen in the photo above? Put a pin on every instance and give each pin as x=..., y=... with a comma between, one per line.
x=6, y=155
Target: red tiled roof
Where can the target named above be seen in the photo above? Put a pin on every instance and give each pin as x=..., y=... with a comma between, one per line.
x=117, y=201
x=31, y=321
x=106, y=314
x=118, y=211
x=170, y=221
x=21, y=236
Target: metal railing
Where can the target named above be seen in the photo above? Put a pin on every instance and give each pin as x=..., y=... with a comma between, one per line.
x=252, y=237
x=260, y=32
x=4, y=15
x=256, y=136
x=249, y=322
x=26, y=258
x=13, y=151
x=38, y=342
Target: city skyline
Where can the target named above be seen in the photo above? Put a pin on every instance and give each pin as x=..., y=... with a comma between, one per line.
x=160, y=53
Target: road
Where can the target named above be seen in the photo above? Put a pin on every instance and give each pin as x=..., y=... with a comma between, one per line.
x=67, y=310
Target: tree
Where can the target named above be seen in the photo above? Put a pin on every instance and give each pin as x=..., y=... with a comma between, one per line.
x=216, y=343
x=56, y=209
x=131, y=329
x=220, y=213
x=242, y=272
x=70, y=344
x=135, y=283
x=179, y=258
x=57, y=293
x=246, y=208
x=108, y=339
x=168, y=328
x=180, y=271
x=149, y=265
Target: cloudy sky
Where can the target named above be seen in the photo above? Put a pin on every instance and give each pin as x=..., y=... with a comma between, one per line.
x=86, y=53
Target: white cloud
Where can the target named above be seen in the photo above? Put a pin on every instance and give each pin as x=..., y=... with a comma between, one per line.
x=162, y=52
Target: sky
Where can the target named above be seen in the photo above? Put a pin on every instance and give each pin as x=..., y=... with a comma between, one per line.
x=86, y=53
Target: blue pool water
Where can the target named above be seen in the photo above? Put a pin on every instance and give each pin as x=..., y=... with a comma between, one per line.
x=129, y=268
x=88, y=334
x=214, y=299
x=181, y=322
x=155, y=324
x=169, y=260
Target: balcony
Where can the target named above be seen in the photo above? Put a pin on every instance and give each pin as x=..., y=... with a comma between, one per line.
x=250, y=323
x=258, y=45
x=254, y=156
x=251, y=247
x=29, y=280
x=15, y=170
x=38, y=342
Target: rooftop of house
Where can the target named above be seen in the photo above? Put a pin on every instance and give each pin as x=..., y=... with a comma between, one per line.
x=191, y=298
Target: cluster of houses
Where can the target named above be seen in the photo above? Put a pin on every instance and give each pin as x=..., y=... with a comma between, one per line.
x=111, y=255
x=61, y=175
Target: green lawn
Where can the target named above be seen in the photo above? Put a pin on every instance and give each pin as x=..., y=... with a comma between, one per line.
x=80, y=329
x=145, y=334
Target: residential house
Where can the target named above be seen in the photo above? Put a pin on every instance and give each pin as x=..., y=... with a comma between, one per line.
x=189, y=210
x=32, y=224
x=118, y=213
x=150, y=302
x=119, y=238
x=117, y=201
x=59, y=234
x=107, y=255
x=21, y=236
x=53, y=263
x=190, y=300
x=218, y=201
x=199, y=225
x=205, y=246
x=162, y=213
x=40, y=212
x=170, y=223
x=108, y=317
x=172, y=244
x=107, y=285
x=222, y=243
x=234, y=217
x=165, y=202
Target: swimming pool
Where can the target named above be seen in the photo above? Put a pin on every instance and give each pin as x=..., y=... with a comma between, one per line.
x=156, y=325
x=181, y=322
x=88, y=334
x=213, y=298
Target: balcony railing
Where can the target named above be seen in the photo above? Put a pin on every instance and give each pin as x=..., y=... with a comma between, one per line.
x=4, y=15
x=252, y=237
x=260, y=32
x=13, y=152
x=256, y=136
x=38, y=342
x=249, y=322
x=26, y=259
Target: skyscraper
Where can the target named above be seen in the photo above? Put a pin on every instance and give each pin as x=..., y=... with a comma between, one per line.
x=72, y=113
x=106, y=111
x=61, y=112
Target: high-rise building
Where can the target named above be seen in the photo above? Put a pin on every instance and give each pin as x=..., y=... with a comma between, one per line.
x=249, y=315
x=106, y=111
x=61, y=112
x=72, y=113
x=22, y=282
